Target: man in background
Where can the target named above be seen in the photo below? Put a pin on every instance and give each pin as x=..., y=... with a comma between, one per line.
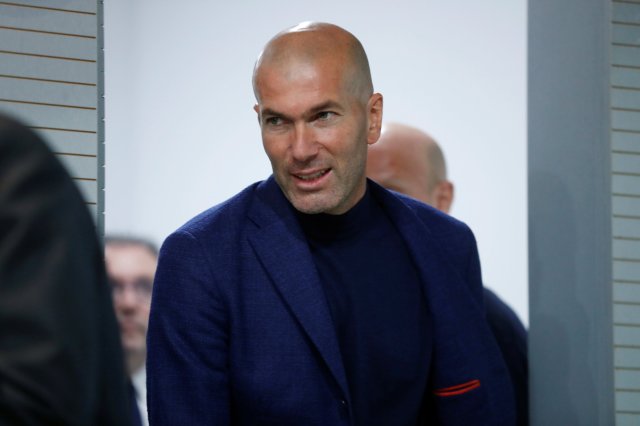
x=131, y=266
x=409, y=161
x=60, y=354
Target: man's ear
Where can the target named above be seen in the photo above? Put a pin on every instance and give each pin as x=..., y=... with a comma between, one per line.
x=256, y=108
x=374, y=115
x=444, y=196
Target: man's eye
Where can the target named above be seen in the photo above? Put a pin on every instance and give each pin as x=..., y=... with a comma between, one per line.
x=274, y=121
x=325, y=115
x=143, y=286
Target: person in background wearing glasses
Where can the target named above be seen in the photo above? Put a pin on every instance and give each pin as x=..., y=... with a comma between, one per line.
x=131, y=266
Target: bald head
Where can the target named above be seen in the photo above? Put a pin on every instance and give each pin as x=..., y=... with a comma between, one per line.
x=410, y=161
x=316, y=44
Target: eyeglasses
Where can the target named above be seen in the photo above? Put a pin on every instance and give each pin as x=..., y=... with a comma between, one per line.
x=141, y=288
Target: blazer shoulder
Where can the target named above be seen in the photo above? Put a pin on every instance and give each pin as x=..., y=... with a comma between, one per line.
x=438, y=223
x=221, y=219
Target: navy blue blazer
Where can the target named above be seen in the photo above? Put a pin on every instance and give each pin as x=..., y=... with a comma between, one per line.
x=240, y=331
x=511, y=337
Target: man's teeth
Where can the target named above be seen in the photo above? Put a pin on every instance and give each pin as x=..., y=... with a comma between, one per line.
x=313, y=176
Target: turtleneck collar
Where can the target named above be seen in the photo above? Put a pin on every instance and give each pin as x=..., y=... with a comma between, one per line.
x=324, y=226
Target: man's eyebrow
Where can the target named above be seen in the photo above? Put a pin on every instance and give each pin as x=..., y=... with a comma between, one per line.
x=269, y=112
x=324, y=106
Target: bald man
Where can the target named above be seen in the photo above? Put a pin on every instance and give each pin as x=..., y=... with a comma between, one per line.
x=312, y=298
x=407, y=160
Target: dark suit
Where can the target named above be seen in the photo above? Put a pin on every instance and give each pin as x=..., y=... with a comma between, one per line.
x=240, y=331
x=511, y=337
x=60, y=353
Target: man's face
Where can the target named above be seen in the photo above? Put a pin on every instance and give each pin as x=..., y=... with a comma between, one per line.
x=315, y=133
x=131, y=268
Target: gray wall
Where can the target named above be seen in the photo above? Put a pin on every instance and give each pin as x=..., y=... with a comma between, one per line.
x=49, y=56
x=569, y=162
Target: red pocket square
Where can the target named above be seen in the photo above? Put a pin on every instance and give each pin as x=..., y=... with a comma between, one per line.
x=458, y=389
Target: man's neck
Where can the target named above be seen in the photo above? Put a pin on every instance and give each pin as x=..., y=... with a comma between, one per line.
x=135, y=361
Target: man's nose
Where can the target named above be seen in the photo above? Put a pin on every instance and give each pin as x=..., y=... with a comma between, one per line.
x=304, y=145
x=127, y=297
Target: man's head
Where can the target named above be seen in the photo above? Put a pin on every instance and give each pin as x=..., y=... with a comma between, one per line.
x=409, y=161
x=317, y=113
x=131, y=266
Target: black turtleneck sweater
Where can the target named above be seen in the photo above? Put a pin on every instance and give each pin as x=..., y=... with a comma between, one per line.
x=378, y=309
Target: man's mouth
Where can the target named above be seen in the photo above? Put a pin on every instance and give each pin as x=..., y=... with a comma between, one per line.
x=312, y=176
x=129, y=326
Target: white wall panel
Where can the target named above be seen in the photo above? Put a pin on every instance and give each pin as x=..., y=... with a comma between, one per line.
x=626, y=227
x=80, y=166
x=49, y=62
x=627, y=419
x=626, y=184
x=627, y=34
x=19, y=89
x=47, y=19
x=624, y=98
x=627, y=379
x=36, y=43
x=65, y=5
x=626, y=271
x=625, y=55
x=627, y=314
x=89, y=189
x=73, y=71
x=626, y=336
x=625, y=77
x=53, y=116
x=626, y=120
x=626, y=206
x=625, y=11
x=62, y=141
x=627, y=401
x=626, y=249
x=627, y=357
x=625, y=163
x=626, y=141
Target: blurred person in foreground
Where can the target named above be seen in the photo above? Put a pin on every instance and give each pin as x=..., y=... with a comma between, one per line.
x=317, y=297
x=407, y=160
x=60, y=354
x=131, y=265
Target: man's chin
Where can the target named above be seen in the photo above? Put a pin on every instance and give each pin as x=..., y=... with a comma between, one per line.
x=311, y=203
x=133, y=345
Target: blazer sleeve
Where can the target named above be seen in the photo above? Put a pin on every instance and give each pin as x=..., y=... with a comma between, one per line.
x=474, y=272
x=187, y=341
x=60, y=352
x=472, y=384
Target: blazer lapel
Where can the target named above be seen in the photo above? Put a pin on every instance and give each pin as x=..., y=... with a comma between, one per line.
x=447, y=295
x=281, y=247
x=429, y=257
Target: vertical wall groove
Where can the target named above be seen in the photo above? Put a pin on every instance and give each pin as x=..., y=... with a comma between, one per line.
x=101, y=118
